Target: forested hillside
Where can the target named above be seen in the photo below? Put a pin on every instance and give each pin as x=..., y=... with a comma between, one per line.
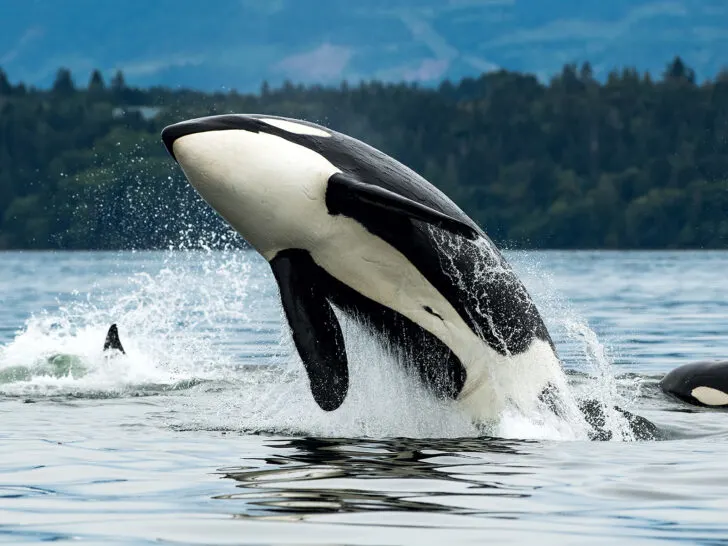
x=636, y=161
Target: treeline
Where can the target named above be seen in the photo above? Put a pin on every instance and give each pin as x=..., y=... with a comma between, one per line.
x=634, y=161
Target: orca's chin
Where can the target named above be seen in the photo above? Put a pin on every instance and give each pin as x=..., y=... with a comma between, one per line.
x=211, y=123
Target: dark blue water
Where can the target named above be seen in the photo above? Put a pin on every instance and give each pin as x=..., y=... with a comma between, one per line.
x=205, y=433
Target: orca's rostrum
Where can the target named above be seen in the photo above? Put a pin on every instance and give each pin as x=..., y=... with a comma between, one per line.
x=344, y=224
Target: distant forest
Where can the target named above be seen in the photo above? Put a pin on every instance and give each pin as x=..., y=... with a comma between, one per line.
x=634, y=161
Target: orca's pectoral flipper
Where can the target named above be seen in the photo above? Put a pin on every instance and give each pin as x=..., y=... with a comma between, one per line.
x=316, y=330
x=112, y=340
x=346, y=195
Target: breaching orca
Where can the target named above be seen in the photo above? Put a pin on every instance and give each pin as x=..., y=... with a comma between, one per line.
x=343, y=224
x=699, y=383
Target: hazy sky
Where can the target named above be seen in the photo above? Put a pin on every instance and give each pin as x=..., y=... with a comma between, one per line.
x=238, y=43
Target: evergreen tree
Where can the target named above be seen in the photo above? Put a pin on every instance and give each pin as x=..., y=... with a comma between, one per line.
x=96, y=83
x=5, y=87
x=678, y=72
x=118, y=83
x=63, y=84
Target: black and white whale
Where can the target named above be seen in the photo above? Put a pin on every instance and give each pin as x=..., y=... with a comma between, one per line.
x=343, y=224
x=699, y=383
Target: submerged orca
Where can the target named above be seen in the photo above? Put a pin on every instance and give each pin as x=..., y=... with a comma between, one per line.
x=112, y=341
x=343, y=224
x=699, y=383
x=62, y=364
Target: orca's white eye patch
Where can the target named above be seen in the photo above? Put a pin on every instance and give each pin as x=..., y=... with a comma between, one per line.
x=710, y=396
x=297, y=128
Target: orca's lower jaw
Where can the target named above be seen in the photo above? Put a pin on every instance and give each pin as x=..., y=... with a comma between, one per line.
x=271, y=190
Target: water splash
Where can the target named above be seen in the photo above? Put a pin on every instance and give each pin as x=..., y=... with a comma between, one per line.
x=384, y=400
x=181, y=322
x=169, y=323
x=596, y=380
x=604, y=388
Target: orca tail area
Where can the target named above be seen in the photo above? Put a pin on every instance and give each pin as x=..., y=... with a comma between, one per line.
x=596, y=415
x=112, y=341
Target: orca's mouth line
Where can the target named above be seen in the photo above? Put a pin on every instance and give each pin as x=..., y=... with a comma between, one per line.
x=211, y=123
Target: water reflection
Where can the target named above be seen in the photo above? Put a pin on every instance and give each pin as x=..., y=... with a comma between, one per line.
x=313, y=476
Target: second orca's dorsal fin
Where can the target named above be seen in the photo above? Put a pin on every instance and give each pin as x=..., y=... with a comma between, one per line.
x=112, y=340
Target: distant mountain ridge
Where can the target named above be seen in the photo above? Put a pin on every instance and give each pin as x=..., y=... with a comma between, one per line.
x=238, y=44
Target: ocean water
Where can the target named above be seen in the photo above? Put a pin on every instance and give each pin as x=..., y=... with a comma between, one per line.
x=205, y=432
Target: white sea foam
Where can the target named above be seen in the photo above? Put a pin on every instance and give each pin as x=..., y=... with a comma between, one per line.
x=169, y=324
